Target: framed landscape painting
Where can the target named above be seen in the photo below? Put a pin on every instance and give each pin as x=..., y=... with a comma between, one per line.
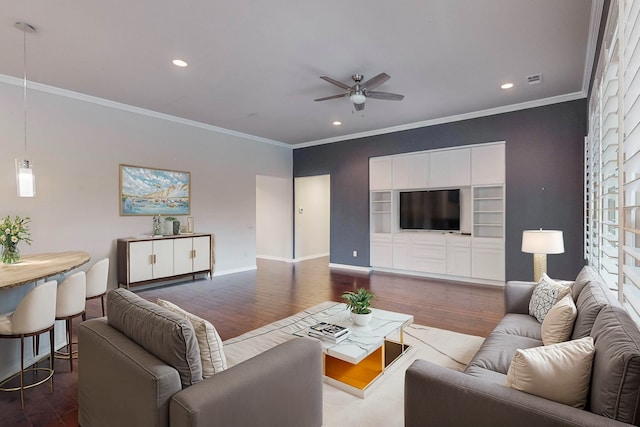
x=150, y=191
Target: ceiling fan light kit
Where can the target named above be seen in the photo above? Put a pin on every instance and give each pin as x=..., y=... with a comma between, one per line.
x=359, y=92
x=358, y=98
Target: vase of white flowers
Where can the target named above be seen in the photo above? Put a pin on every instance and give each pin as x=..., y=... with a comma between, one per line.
x=12, y=233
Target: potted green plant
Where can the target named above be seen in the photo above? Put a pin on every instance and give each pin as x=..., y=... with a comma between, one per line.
x=359, y=302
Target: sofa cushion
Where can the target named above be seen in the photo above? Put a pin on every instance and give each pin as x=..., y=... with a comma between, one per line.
x=167, y=335
x=558, y=372
x=545, y=295
x=486, y=374
x=590, y=301
x=497, y=350
x=615, y=383
x=209, y=342
x=585, y=276
x=558, y=324
x=522, y=325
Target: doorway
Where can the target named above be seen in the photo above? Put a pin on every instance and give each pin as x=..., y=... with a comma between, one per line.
x=274, y=204
x=312, y=216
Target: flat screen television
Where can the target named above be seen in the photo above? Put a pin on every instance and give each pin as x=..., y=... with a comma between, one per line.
x=430, y=210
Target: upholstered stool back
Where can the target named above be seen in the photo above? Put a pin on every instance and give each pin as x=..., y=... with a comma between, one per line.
x=72, y=294
x=71, y=303
x=34, y=315
x=36, y=311
x=97, y=279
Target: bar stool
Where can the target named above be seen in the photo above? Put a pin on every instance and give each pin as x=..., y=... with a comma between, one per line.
x=34, y=315
x=70, y=303
x=97, y=278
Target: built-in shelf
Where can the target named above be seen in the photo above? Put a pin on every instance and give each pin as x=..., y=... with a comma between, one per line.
x=488, y=211
x=381, y=211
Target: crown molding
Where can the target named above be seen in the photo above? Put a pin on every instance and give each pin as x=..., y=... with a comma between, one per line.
x=136, y=110
x=162, y=116
x=456, y=118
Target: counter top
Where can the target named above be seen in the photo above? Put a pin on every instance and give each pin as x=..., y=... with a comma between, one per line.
x=40, y=266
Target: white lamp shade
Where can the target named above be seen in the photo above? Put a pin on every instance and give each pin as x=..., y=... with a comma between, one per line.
x=542, y=242
x=25, y=179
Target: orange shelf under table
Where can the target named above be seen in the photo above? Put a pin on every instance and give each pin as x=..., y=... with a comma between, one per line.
x=362, y=375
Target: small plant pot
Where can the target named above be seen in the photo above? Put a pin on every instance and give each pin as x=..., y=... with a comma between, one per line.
x=361, y=319
x=167, y=228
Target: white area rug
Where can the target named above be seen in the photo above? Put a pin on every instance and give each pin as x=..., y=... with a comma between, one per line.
x=384, y=405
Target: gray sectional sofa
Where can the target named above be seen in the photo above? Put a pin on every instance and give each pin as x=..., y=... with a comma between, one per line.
x=436, y=396
x=141, y=367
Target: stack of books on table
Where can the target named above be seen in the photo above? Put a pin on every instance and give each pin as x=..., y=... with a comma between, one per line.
x=329, y=332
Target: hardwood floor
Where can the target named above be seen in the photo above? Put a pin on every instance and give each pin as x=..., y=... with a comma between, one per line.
x=240, y=302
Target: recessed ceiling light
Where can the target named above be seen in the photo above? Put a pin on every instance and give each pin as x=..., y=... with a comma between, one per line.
x=180, y=63
x=507, y=86
x=337, y=123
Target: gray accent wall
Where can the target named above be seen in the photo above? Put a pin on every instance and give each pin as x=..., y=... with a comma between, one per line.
x=544, y=179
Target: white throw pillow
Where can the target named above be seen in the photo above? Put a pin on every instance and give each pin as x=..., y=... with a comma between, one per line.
x=558, y=281
x=559, y=372
x=210, y=343
x=545, y=295
x=557, y=325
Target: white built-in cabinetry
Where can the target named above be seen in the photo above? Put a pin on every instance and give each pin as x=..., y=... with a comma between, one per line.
x=476, y=253
x=380, y=173
x=411, y=171
x=147, y=260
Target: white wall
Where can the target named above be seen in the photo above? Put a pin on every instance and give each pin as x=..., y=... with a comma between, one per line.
x=76, y=148
x=274, y=204
x=312, y=196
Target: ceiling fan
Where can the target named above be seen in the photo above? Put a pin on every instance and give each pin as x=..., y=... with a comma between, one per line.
x=359, y=92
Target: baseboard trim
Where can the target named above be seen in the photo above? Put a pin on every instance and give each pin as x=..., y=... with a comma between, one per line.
x=471, y=280
x=275, y=258
x=304, y=258
x=235, y=270
x=350, y=267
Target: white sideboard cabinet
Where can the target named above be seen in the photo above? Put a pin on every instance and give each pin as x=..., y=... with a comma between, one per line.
x=191, y=255
x=147, y=260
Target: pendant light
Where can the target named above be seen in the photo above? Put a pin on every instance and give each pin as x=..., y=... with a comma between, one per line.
x=25, y=179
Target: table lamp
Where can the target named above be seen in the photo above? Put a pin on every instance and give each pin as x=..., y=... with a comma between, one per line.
x=540, y=243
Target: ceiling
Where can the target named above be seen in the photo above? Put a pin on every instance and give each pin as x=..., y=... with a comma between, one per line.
x=254, y=66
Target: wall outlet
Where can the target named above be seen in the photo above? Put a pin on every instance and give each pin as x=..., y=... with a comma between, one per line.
x=355, y=253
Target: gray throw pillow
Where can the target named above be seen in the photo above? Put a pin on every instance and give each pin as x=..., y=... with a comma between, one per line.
x=167, y=335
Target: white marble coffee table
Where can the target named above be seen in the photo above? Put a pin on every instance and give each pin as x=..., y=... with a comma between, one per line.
x=355, y=364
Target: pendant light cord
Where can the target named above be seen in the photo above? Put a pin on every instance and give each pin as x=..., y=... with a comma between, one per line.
x=24, y=86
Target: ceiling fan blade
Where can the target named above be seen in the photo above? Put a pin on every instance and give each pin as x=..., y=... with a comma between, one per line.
x=359, y=107
x=385, y=95
x=335, y=82
x=332, y=97
x=376, y=81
